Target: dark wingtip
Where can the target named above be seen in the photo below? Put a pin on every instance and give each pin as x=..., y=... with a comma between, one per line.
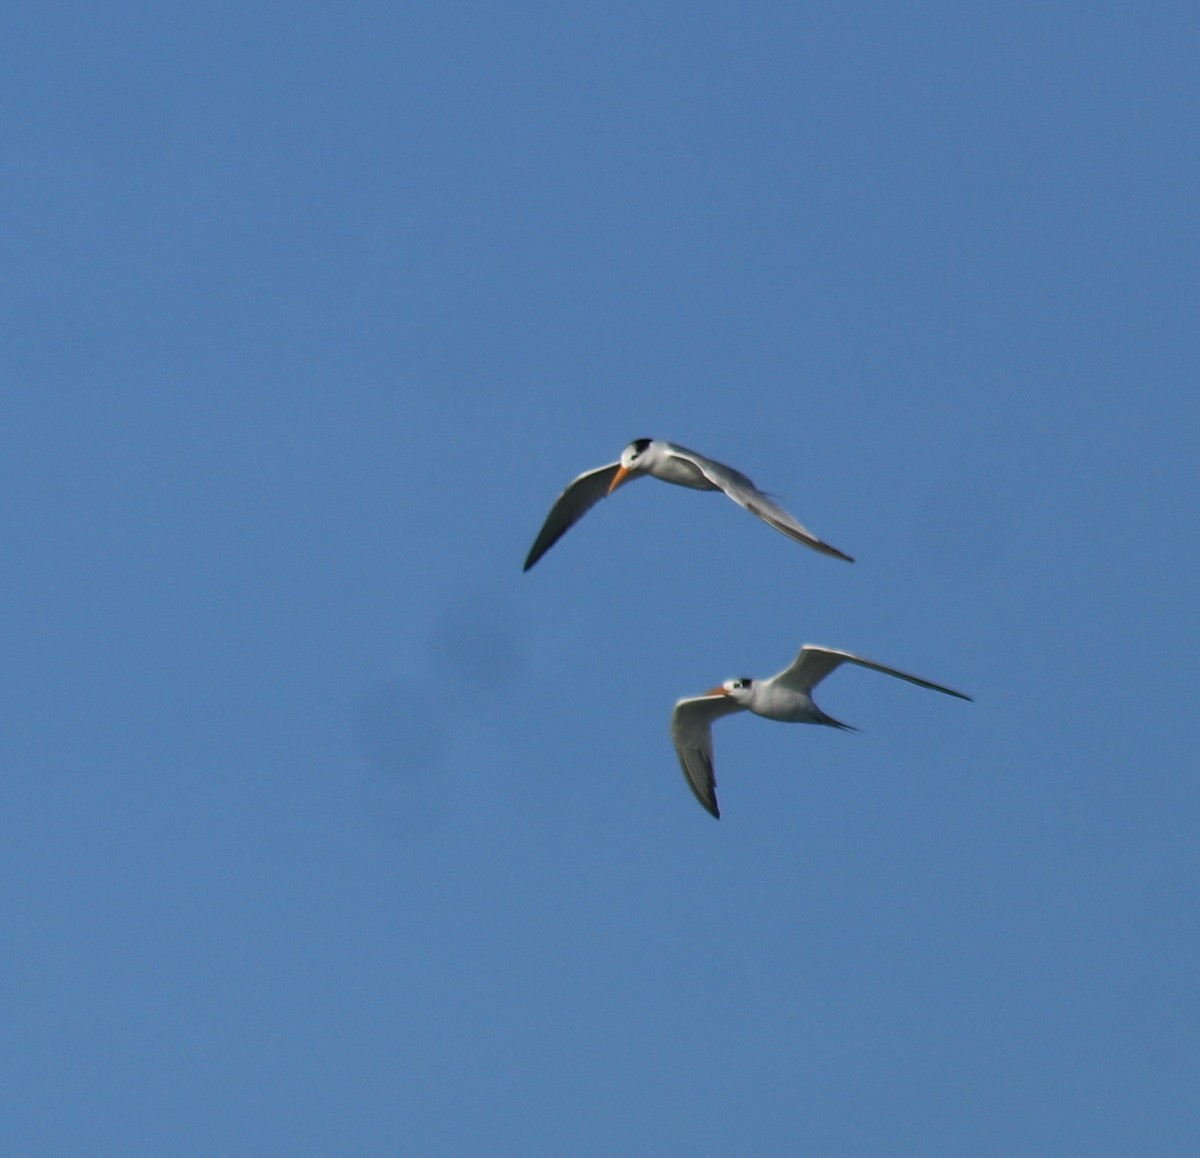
x=535, y=553
x=825, y=548
x=541, y=545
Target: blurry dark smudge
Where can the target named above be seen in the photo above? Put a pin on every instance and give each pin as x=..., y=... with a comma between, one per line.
x=962, y=524
x=403, y=729
x=405, y=738
x=476, y=645
x=125, y=117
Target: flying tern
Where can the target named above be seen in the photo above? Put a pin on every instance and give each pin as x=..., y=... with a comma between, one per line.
x=673, y=464
x=786, y=696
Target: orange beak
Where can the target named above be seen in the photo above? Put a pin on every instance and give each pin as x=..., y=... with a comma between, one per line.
x=618, y=478
x=717, y=691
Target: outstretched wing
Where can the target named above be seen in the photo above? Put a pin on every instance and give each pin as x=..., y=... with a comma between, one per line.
x=575, y=502
x=691, y=731
x=743, y=492
x=814, y=663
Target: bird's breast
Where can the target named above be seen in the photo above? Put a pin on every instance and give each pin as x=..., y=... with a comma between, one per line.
x=790, y=707
x=682, y=473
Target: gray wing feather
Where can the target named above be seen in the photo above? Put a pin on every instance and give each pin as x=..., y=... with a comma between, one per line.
x=580, y=496
x=814, y=663
x=743, y=492
x=691, y=732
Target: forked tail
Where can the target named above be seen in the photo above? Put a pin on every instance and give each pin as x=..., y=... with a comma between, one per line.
x=823, y=718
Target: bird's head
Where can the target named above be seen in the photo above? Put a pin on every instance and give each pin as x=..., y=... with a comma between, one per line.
x=633, y=458
x=741, y=691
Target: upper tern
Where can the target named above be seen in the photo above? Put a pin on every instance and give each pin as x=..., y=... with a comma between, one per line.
x=673, y=464
x=786, y=696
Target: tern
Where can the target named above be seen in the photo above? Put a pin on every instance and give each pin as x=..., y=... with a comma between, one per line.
x=786, y=697
x=673, y=464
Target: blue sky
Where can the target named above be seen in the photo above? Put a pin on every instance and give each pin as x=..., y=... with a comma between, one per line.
x=325, y=830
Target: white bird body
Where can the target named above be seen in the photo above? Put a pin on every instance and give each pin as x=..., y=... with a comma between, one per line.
x=647, y=457
x=785, y=697
x=772, y=701
x=674, y=464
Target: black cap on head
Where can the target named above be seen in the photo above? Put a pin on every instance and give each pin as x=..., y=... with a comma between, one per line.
x=640, y=444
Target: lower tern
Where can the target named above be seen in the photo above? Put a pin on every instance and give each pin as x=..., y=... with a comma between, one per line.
x=673, y=464
x=786, y=697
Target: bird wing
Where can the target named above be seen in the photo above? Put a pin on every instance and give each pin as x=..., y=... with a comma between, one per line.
x=691, y=731
x=743, y=492
x=814, y=663
x=580, y=496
